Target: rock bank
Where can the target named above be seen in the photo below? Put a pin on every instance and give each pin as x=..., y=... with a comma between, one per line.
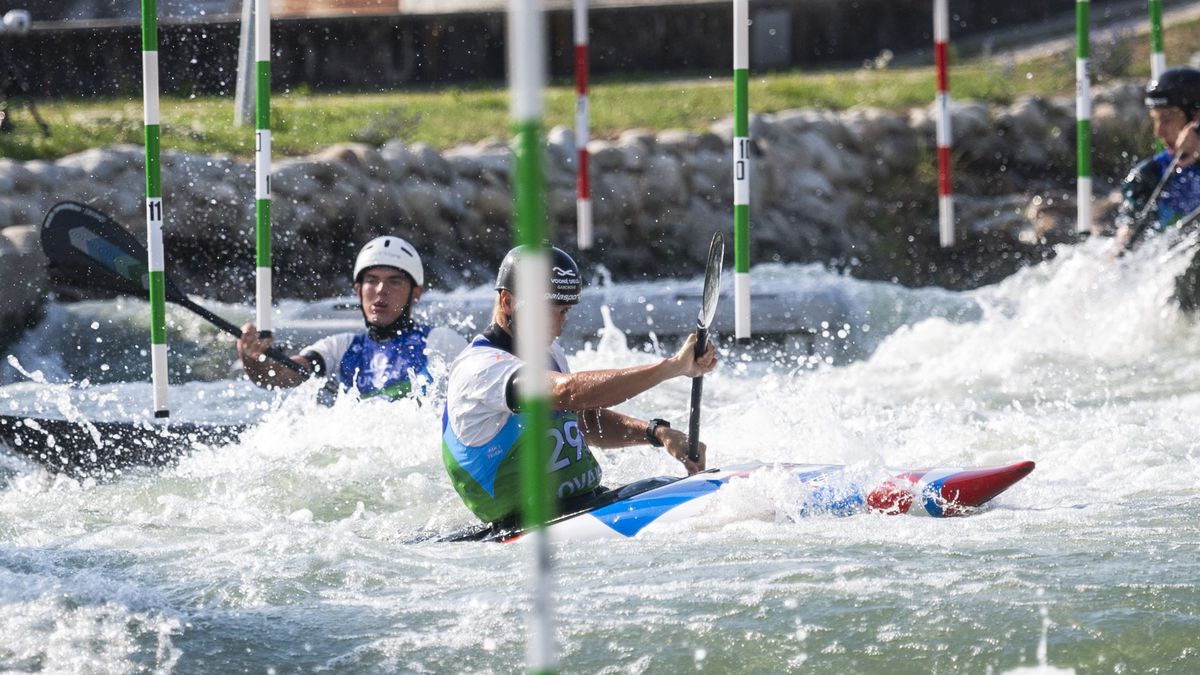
x=854, y=189
x=22, y=275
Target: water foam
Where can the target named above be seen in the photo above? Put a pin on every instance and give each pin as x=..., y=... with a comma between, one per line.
x=287, y=548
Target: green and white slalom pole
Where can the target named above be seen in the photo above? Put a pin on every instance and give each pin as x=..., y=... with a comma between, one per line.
x=1158, y=57
x=1083, y=116
x=156, y=263
x=527, y=77
x=262, y=166
x=741, y=169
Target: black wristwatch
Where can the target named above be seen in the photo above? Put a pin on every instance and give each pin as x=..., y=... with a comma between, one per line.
x=652, y=431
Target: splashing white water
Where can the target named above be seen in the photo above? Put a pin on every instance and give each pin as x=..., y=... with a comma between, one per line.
x=288, y=549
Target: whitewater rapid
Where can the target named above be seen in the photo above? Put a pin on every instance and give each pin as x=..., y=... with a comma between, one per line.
x=291, y=550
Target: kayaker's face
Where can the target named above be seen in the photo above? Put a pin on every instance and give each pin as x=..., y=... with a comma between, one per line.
x=1168, y=122
x=558, y=318
x=383, y=292
x=558, y=314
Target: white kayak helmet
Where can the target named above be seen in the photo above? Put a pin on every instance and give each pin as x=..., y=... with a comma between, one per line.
x=391, y=252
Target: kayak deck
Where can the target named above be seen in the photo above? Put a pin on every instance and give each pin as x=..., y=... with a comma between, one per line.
x=651, y=503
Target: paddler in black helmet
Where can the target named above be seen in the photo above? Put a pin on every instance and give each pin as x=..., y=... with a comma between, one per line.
x=482, y=427
x=391, y=357
x=1173, y=101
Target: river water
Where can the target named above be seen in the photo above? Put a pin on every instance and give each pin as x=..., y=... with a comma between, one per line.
x=290, y=551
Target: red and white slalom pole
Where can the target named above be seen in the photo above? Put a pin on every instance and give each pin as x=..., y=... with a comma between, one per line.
x=941, y=35
x=583, y=196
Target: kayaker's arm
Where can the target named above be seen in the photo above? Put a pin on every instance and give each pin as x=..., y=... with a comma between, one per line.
x=604, y=428
x=1138, y=208
x=1187, y=145
x=592, y=389
x=263, y=370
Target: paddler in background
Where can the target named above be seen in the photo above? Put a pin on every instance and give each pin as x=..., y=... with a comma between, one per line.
x=481, y=428
x=1173, y=101
x=391, y=357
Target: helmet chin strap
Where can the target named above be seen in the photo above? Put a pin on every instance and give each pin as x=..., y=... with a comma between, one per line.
x=383, y=333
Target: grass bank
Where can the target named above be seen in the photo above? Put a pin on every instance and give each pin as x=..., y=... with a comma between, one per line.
x=304, y=121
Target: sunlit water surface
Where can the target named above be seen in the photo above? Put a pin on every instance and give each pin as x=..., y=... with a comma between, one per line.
x=290, y=550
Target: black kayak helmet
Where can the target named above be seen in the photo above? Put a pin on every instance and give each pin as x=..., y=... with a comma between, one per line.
x=566, y=284
x=1178, y=88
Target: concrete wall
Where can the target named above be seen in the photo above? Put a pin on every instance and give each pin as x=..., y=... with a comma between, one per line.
x=350, y=53
x=22, y=281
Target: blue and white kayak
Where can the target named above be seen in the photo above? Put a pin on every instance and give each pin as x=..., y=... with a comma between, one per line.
x=660, y=503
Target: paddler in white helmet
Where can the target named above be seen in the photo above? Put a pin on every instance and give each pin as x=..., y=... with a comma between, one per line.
x=482, y=428
x=391, y=357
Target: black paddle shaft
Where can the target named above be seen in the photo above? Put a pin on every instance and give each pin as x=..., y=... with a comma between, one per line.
x=708, y=309
x=92, y=249
x=274, y=352
x=697, y=393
